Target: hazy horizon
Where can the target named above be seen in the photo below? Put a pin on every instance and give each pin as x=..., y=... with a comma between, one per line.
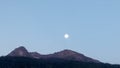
x=93, y=27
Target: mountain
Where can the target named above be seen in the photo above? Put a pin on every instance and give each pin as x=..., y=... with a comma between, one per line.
x=65, y=54
x=20, y=51
x=21, y=58
x=72, y=55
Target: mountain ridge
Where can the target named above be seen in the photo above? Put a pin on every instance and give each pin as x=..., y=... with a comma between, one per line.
x=64, y=54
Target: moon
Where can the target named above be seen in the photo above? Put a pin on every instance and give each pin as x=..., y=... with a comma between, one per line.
x=66, y=36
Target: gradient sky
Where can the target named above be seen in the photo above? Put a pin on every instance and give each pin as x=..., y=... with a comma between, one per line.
x=39, y=25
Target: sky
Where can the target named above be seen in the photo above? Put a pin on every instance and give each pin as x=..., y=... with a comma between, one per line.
x=40, y=25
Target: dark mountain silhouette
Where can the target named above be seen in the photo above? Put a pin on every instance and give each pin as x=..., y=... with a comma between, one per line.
x=27, y=62
x=21, y=58
x=65, y=54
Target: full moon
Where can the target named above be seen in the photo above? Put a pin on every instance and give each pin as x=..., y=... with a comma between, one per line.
x=66, y=36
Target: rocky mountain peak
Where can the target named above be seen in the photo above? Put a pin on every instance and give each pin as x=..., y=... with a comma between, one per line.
x=67, y=52
x=20, y=51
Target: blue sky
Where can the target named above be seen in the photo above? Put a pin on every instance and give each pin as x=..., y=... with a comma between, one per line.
x=39, y=25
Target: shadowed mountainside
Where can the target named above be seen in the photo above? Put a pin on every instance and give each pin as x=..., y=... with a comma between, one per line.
x=27, y=62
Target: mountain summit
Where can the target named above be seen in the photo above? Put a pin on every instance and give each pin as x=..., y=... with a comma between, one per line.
x=72, y=55
x=20, y=51
x=65, y=54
